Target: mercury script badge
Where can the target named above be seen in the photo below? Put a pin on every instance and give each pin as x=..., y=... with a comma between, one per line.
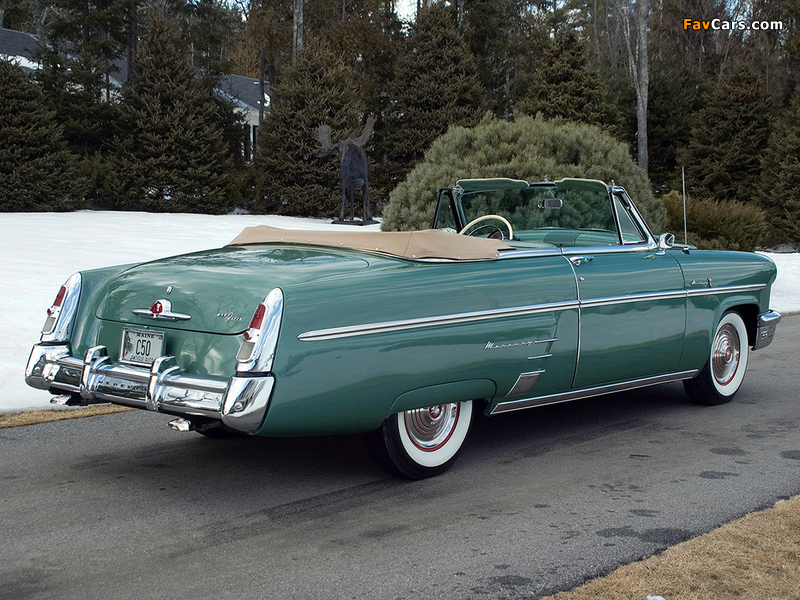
x=492, y=345
x=228, y=317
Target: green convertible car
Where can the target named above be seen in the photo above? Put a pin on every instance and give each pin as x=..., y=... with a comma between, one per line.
x=520, y=295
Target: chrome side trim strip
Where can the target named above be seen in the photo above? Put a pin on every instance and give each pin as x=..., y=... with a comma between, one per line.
x=467, y=317
x=512, y=405
x=611, y=300
x=727, y=289
x=481, y=315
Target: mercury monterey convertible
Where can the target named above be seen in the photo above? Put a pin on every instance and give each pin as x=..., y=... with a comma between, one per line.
x=521, y=295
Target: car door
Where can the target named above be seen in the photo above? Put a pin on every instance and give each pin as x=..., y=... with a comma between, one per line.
x=632, y=306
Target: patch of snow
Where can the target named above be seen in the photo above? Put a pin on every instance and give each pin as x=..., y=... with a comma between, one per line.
x=39, y=251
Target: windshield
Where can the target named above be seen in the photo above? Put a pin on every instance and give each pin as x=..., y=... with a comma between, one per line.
x=560, y=214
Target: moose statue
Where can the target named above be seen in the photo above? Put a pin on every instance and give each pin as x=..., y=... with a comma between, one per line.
x=354, y=168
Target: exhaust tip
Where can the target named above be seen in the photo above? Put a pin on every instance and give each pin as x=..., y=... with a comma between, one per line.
x=181, y=425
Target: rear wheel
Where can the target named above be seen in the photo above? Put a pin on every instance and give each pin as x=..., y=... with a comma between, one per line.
x=423, y=442
x=724, y=371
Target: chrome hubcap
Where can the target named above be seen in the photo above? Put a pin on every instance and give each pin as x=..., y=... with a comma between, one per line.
x=430, y=428
x=725, y=354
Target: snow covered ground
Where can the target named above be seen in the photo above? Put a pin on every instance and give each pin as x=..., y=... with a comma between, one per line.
x=38, y=251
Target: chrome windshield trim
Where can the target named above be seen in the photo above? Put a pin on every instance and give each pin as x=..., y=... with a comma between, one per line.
x=511, y=405
x=390, y=326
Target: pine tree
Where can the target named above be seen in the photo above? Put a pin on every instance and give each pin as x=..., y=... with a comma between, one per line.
x=494, y=30
x=170, y=154
x=723, y=158
x=436, y=86
x=37, y=170
x=780, y=191
x=565, y=86
x=291, y=178
x=77, y=66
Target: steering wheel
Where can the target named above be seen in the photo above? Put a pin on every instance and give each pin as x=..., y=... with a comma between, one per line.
x=487, y=217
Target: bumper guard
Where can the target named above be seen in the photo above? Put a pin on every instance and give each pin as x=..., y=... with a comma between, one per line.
x=767, y=323
x=239, y=402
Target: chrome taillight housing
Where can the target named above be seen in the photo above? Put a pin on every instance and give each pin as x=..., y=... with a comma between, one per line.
x=61, y=315
x=257, y=351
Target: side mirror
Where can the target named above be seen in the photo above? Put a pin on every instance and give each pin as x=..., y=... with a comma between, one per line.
x=666, y=241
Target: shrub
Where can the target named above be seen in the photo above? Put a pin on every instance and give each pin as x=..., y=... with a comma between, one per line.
x=716, y=224
x=529, y=148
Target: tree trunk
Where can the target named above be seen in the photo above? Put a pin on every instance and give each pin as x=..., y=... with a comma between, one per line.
x=38, y=14
x=3, y=6
x=639, y=70
x=643, y=85
x=297, y=27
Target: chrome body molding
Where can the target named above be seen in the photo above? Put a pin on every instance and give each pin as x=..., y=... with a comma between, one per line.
x=390, y=326
x=524, y=383
x=257, y=353
x=729, y=289
x=765, y=331
x=58, y=326
x=239, y=402
x=511, y=405
x=162, y=313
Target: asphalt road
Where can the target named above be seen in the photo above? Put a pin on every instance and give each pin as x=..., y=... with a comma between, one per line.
x=121, y=506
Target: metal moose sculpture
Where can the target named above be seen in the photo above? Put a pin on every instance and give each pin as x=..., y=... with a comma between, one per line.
x=353, y=166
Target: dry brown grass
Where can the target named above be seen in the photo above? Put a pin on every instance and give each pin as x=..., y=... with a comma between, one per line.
x=33, y=417
x=756, y=557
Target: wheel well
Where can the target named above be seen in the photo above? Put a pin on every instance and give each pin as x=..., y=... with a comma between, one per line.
x=749, y=314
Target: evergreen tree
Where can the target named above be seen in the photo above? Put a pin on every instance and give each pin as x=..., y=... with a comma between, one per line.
x=676, y=96
x=170, y=154
x=436, y=85
x=529, y=148
x=495, y=32
x=780, y=191
x=77, y=66
x=291, y=178
x=565, y=86
x=723, y=158
x=37, y=170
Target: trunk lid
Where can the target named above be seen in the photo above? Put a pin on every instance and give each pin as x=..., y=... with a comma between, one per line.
x=218, y=289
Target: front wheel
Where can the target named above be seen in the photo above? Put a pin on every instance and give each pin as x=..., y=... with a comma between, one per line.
x=724, y=371
x=423, y=442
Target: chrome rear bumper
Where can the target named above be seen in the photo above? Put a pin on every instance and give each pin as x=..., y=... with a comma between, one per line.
x=767, y=323
x=239, y=402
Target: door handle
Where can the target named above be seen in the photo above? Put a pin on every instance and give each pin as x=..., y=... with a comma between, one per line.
x=577, y=261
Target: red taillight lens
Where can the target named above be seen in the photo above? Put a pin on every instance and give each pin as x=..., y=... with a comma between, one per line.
x=257, y=321
x=60, y=296
x=58, y=301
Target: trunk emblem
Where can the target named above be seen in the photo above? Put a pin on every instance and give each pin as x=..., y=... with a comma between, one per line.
x=161, y=310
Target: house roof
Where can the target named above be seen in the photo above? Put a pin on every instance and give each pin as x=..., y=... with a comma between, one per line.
x=20, y=46
x=244, y=91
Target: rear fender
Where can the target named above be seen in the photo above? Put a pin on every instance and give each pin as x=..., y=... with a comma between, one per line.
x=457, y=391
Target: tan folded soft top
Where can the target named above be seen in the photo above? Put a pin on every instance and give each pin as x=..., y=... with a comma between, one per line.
x=430, y=243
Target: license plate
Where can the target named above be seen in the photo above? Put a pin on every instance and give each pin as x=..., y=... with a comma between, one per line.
x=141, y=347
